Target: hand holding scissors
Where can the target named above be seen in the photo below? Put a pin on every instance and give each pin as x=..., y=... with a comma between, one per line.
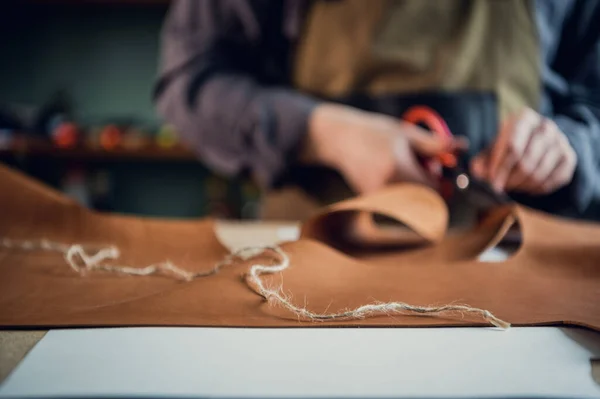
x=453, y=176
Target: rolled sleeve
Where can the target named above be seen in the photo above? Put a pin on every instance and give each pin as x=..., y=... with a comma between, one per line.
x=209, y=89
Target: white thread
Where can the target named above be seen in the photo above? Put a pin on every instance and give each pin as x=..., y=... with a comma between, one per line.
x=82, y=260
x=360, y=312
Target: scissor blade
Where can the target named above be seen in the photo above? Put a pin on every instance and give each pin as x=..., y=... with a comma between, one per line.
x=477, y=192
x=482, y=194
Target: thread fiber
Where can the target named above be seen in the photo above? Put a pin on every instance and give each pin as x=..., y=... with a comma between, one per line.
x=87, y=258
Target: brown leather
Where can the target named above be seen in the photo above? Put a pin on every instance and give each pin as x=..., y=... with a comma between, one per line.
x=276, y=205
x=553, y=279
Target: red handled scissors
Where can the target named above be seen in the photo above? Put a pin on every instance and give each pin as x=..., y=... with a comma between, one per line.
x=454, y=176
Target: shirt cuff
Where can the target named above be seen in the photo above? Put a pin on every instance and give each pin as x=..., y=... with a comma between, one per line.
x=581, y=189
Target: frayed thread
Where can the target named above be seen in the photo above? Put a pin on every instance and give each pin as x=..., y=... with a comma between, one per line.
x=83, y=259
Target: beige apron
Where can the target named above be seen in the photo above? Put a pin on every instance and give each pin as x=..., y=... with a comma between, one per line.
x=381, y=47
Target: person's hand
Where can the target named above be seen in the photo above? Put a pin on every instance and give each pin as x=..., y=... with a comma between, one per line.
x=371, y=150
x=530, y=155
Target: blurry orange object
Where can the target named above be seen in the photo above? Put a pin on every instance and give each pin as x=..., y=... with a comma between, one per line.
x=433, y=121
x=110, y=137
x=167, y=137
x=134, y=139
x=92, y=137
x=65, y=135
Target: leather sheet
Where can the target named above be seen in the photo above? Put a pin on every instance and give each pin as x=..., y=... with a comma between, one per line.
x=554, y=278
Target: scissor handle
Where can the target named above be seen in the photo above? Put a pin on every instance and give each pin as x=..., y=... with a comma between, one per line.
x=433, y=121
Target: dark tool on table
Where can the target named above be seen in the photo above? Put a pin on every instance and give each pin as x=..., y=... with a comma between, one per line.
x=454, y=176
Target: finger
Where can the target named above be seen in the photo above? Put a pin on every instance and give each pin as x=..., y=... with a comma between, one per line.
x=429, y=144
x=480, y=164
x=561, y=175
x=510, y=145
x=523, y=132
x=557, y=179
x=563, y=172
x=500, y=147
x=502, y=174
x=409, y=168
x=433, y=168
x=478, y=167
x=525, y=168
x=430, y=147
x=459, y=144
x=539, y=181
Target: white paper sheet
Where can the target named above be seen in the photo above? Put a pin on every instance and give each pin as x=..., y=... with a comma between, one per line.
x=221, y=362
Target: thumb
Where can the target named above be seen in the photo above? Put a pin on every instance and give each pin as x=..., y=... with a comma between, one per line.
x=428, y=144
x=408, y=167
x=479, y=165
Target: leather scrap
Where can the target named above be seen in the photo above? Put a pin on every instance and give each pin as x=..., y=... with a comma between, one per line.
x=553, y=279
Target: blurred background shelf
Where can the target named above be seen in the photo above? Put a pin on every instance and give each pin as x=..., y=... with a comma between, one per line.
x=100, y=2
x=103, y=56
x=45, y=149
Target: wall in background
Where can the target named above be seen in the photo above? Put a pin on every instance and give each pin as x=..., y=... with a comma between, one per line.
x=105, y=56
